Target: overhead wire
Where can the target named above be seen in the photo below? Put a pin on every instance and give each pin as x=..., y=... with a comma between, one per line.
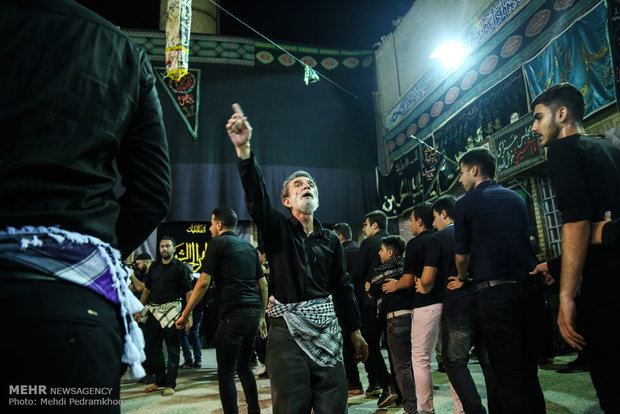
x=282, y=49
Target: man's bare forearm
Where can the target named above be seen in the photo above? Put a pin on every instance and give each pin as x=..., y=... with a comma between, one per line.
x=197, y=294
x=462, y=265
x=575, y=238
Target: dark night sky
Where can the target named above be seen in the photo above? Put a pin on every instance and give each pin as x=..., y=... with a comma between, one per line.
x=353, y=24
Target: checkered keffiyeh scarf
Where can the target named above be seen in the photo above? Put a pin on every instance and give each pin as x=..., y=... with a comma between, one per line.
x=166, y=313
x=84, y=260
x=392, y=268
x=314, y=326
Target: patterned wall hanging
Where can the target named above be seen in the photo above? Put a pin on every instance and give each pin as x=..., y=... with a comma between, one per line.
x=185, y=93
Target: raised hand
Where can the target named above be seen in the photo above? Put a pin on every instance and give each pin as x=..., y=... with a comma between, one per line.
x=239, y=131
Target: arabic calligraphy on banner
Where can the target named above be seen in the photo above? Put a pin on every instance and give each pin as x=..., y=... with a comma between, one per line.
x=403, y=187
x=191, y=239
x=516, y=148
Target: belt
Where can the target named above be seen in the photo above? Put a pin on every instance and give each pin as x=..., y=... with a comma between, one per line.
x=394, y=314
x=490, y=283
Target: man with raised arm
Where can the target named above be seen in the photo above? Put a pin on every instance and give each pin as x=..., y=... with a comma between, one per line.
x=304, y=347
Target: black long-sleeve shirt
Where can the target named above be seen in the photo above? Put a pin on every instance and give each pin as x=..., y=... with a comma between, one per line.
x=302, y=267
x=77, y=96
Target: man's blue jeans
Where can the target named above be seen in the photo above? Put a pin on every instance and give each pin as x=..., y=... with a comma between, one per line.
x=192, y=337
x=399, y=341
x=458, y=336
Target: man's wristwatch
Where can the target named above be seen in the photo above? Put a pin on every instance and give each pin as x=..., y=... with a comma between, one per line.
x=458, y=276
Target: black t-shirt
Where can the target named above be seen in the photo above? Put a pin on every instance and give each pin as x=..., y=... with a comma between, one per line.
x=586, y=174
x=235, y=267
x=491, y=225
x=168, y=282
x=414, y=264
x=440, y=254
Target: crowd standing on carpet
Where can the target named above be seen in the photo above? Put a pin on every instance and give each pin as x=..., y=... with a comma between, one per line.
x=468, y=278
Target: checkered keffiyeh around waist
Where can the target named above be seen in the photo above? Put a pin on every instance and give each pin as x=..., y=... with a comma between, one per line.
x=84, y=260
x=166, y=313
x=314, y=326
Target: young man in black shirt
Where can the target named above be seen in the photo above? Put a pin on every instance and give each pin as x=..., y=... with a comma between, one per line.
x=167, y=280
x=308, y=269
x=492, y=241
x=458, y=318
x=242, y=299
x=586, y=174
x=426, y=314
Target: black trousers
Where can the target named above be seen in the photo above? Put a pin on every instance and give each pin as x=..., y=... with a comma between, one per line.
x=165, y=374
x=375, y=364
x=235, y=337
x=60, y=335
x=596, y=321
x=510, y=321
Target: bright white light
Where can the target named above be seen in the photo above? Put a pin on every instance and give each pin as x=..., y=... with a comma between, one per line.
x=451, y=54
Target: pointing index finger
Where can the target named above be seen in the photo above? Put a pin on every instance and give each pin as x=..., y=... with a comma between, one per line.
x=237, y=108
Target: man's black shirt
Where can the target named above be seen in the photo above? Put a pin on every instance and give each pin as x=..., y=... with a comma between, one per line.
x=491, y=225
x=302, y=267
x=414, y=264
x=168, y=282
x=351, y=253
x=235, y=267
x=63, y=126
x=585, y=172
x=440, y=254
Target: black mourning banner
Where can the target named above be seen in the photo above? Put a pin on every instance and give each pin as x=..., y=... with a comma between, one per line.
x=404, y=186
x=191, y=240
x=185, y=94
x=516, y=148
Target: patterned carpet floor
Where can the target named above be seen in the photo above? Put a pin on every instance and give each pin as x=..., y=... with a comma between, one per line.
x=197, y=392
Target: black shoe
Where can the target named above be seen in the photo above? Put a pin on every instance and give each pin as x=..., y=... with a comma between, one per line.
x=373, y=391
x=577, y=365
x=264, y=375
x=197, y=365
x=387, y=398
x=355, y=389
x=147, y=379
x=187, y=365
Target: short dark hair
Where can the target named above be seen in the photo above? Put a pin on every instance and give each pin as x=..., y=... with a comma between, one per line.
x=563, y=94
x=481, y=158
x=174, y=242
x=445, y=203
x=344, y=230
x=394, y=242
x=377, y=216
x=424, y=211
x=226, y=216
x=291, y=177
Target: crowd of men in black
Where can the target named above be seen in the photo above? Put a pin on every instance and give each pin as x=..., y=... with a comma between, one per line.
x=93, y=114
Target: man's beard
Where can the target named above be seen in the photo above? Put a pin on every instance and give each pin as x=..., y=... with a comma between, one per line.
x=306, y=205
x=166, y=255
